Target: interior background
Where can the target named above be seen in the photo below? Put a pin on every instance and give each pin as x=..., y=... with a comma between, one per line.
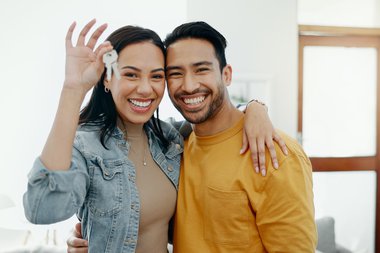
x=262, y=49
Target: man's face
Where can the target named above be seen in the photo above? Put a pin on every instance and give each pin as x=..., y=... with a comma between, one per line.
x=195, y=84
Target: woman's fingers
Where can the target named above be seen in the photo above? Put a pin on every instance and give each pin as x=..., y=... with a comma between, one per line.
x=83, y=33
x=102, y=49
x=245, y=144
x=69, y=35
x=95, y=36
x=272, y=151
x=277, y=138
x=261, y=155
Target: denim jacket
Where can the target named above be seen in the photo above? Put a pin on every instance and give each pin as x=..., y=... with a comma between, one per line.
x=100, y=187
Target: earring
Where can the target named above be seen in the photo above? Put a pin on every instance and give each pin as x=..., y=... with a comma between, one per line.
x=106, y=90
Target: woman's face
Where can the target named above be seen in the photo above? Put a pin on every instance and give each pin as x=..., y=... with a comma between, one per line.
x=142, y=82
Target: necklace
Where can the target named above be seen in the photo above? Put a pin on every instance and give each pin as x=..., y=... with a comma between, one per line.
x=136, y=154
x=138, y=142
x=144, y=144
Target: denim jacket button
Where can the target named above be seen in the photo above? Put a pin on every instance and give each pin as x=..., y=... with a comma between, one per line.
x=170, y=168
x=178, y=146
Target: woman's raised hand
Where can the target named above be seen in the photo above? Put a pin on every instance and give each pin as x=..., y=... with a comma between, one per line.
x=84, y=65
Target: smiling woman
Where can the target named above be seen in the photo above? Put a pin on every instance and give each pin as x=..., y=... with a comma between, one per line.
x=142, y=75
x=33, y=71
x=100, y=173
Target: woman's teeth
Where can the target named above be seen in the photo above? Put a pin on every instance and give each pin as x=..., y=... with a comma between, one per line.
x=138, y=103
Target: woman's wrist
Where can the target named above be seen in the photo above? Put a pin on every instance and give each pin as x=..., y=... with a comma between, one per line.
x=253, y=102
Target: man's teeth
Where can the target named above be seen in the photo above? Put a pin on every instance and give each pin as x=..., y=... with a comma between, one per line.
x=141, y=103
x=194, y=101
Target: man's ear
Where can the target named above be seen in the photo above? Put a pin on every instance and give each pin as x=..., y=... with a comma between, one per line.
x=227, y=75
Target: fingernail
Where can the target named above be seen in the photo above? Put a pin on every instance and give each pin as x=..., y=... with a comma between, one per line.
x=257, y=169
x=276, y=165
x=286, y=152
x=86, y=243
x=263, y=172
x=241, y=151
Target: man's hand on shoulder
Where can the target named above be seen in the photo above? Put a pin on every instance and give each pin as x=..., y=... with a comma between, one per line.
x=76, y=243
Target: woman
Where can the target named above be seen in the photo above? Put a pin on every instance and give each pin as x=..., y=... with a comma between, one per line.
x=120, y=167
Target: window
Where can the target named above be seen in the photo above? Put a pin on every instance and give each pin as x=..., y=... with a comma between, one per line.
x=338, y=122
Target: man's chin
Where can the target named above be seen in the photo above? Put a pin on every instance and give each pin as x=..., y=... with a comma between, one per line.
x=195, y=119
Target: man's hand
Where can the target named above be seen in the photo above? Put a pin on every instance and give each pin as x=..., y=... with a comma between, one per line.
x=76, y=243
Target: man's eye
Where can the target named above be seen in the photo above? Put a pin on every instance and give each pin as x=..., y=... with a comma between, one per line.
x=174, y=74
x=202, y=70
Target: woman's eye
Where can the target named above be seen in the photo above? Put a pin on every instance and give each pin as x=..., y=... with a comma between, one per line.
x=130, y=75
x=159, y=77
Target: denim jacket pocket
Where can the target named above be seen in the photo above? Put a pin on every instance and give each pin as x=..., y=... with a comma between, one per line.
x=106, y=188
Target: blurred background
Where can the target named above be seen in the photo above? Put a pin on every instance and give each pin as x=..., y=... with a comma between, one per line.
x=313, y=62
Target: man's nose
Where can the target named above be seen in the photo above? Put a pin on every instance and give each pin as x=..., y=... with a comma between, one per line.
x=191, y=83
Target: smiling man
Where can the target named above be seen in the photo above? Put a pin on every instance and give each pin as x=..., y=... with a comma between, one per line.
x=222, y=206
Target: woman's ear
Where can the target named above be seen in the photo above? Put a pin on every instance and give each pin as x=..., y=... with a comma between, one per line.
x=227, y=75
x=107, y=85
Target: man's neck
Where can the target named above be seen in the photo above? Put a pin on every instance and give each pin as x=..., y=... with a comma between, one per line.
x=226, y=117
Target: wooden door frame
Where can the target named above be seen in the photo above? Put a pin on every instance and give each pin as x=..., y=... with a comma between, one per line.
x=344, y=36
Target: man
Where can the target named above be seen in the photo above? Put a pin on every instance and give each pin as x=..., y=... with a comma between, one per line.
x=222, y=205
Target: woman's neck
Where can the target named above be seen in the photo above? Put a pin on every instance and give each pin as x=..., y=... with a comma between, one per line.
x=129, y=129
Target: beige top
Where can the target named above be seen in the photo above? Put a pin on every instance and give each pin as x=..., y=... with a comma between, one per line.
x=156, y=192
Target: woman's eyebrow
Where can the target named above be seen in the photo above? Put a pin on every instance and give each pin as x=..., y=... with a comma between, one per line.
x=139, y=70
x=131, y=67
x=158, y=70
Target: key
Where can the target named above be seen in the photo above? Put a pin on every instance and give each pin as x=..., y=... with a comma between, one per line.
x=110, y=60
x=115, y=70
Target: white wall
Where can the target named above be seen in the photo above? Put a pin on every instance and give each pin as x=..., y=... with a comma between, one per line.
x=350, y=13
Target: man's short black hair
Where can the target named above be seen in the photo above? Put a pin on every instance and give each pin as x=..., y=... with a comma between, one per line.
x=200, y=30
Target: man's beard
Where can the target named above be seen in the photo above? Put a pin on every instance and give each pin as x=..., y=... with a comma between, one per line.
x=211, y=111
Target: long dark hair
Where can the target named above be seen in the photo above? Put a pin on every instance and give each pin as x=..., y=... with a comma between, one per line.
x=101, y=109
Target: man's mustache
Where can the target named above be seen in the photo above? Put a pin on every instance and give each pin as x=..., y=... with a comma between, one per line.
x=196, y=91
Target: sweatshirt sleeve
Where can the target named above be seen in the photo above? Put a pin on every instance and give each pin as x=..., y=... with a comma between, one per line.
x=54, y=196
x=285, y=217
